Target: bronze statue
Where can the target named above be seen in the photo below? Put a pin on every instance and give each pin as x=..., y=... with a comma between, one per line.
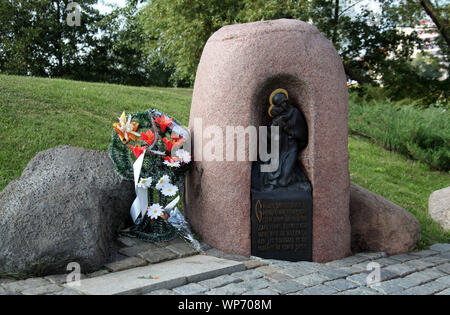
x=293, y=137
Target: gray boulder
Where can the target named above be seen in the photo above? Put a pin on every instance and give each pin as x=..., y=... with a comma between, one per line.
x=379, y=225
x=66, y=207
x=439, y=207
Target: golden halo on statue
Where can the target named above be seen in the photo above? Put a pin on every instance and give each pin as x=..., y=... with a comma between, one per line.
x=271, y=99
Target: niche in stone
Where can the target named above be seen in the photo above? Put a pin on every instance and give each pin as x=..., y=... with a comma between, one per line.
x=281, y=194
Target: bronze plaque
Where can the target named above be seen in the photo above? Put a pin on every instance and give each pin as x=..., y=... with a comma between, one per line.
x=282, y=225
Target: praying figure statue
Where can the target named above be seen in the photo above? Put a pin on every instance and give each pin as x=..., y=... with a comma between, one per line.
x=293, y=138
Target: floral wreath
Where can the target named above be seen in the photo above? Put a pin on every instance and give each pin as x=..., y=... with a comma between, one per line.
x=147, y=147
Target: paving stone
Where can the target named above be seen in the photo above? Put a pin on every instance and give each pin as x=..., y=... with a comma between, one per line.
x=339, y=273
x=360, y=291
x=57, y=279
x=445, y=292
x=191, y=289
x=387, y=274
x=311, y=280
x=341, y=284
x=360, y=279
x=181, y=248
x=296, y=272
x=424, y=276
x=425, y=253
x=254, y=284
x=127, y=263
x=162, y=292
x=137, y=249
x=445, y=255
x=278, y=277
x=219, y=281
x=287, y=287
x=45, y=289
x=383, y=262
x=157, y=255
x=401, y=269
x=235, y=257
x=204, y=246
x=403, y=257
x=440, y=247
x=66, y=291
x=444, y=268
x=253, y=264
x=427, y=289
x=248, y=274
x=318, y=290
x=388, y=287
x=309, y=266
x=402, y=282
x=214, y=252
x=444, y=280
x=419, y=264
x=166, y=275
x=260, y=292
x=19, y=286
x=6, y=280
x=435, y=260
x=128, y=241
x=348, y=261
x=358, y=268
x=373, y=256
x=98, y=273
x=230, y=289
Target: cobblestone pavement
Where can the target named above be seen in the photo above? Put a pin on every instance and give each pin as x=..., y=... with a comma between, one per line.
x=424, y=272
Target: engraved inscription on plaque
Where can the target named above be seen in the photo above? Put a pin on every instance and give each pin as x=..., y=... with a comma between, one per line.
x=281, y=229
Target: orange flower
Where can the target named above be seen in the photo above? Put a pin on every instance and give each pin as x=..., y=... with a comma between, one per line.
x=148, y=137
x=126, y=129
x=137, y=150
x=163, y=122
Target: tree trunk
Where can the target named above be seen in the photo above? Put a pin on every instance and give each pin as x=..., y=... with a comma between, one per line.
x=442, y=24
x=336, y=21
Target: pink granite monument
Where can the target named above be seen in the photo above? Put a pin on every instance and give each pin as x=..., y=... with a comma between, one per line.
x=241, y=65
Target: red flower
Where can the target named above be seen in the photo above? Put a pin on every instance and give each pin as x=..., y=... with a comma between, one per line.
x=163, y=122
x=148, y=137
x=176, y=141
x=137, y=150
x=170, y=159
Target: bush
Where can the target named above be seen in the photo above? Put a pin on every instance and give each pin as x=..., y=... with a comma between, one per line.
x=421, y=134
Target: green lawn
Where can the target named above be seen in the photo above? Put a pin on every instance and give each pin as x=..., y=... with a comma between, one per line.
x=38, y=114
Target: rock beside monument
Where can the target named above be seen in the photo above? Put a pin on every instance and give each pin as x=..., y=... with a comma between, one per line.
x=439, y=207
x=379, y=225
x=66, y=207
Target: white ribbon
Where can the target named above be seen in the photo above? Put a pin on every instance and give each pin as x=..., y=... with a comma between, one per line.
x=140, y=204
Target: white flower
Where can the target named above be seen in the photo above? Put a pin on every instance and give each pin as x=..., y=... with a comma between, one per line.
x=169, y=190
x=155, y=211
x=144, y=183
x=183, y=155
x=172, y=163
x=163, y=181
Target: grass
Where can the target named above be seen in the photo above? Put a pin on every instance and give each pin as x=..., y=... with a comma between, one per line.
x=37, y=114
x=421, y=134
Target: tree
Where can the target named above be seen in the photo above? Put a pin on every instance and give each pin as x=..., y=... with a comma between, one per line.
x=441, y=22
x=37, y=40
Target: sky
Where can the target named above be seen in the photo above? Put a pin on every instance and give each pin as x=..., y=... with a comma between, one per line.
x=102, y=5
